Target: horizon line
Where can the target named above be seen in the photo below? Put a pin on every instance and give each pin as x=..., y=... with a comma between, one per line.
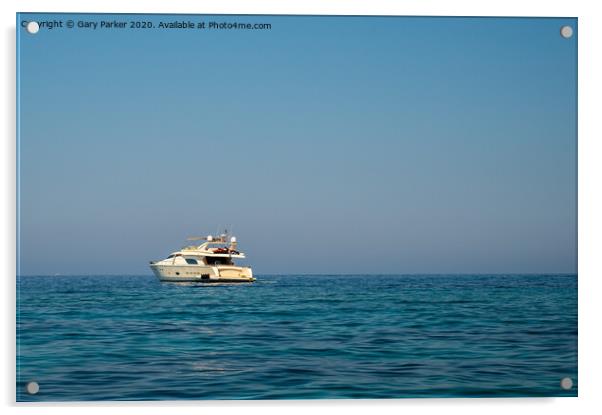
x=324, y=274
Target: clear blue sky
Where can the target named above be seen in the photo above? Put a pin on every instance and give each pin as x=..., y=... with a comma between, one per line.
x=329, y=144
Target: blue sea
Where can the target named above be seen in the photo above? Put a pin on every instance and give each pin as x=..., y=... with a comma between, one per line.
x=296, y=337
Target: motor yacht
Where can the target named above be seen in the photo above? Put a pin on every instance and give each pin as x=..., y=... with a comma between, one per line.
x=211, y=261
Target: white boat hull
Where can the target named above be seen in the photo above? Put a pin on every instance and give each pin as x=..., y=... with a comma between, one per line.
x=202, y=273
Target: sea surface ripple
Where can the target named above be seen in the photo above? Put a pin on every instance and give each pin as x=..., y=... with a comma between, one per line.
x=296, y=337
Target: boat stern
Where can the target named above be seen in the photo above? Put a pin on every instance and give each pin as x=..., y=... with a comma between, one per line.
x=235, y=274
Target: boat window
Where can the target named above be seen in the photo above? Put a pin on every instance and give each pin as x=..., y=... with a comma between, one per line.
x=191, y=261
x=171, y=256
x=218, y=261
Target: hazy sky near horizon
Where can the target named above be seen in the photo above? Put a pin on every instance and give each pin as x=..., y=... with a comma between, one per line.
x=327, y=144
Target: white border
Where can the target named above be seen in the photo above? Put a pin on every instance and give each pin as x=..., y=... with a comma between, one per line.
x=590, y=206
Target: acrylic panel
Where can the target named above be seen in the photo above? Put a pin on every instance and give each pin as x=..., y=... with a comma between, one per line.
x=295, y=207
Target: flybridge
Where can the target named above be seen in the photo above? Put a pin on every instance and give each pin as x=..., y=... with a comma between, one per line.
x=216, y=240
